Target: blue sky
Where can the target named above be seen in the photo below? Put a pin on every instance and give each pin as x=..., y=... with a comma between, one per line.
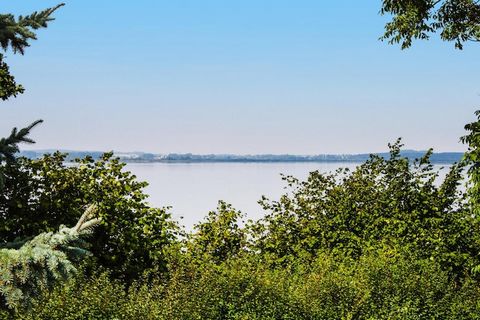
x=239, y=76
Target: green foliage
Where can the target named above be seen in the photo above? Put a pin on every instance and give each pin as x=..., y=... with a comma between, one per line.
x=8, y=86
x=472, y=158
x=40, y=195
x=98, y=297
x=388, y=201
x=16, y=33
x=26, y=267
x=9, y=145
x=456, y=20
x=385, y=284
x=219, y=237
x=384, y=241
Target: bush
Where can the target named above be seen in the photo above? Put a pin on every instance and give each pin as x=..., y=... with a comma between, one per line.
x=385, y=241
x=389, y=201
x=384, y=284
x=219, y=237
x=40, y=195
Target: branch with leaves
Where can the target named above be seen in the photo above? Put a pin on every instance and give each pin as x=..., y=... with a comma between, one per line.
x=8, y=85
x=455, y=20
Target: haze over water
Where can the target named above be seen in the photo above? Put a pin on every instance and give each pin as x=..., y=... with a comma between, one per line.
x=193, y=189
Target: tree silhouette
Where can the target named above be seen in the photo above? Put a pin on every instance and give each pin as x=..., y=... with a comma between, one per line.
x=15, y=35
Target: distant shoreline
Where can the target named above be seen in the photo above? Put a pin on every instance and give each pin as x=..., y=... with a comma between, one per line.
x=143, y=157
x=266, y=161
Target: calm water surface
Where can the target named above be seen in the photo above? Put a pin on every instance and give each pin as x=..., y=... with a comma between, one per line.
x=193, y=189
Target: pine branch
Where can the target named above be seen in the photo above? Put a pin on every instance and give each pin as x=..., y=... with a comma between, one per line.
x=17, y=33
x=88, y=214
x=9, y=145
x=43, y=261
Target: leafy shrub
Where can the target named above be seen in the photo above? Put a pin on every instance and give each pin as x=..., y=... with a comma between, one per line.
x=40, y=195
x=385, y=241
x=389, y=201
x=219, y=237
x=382, y=284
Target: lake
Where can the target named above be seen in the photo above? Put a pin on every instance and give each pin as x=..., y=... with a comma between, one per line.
x=193, y=189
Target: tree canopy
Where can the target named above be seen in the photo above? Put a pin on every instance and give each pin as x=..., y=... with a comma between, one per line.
x=455, y=20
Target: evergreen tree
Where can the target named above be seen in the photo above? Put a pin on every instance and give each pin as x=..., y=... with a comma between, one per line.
x=15, y=34
x=9, y=145
x=27, y=267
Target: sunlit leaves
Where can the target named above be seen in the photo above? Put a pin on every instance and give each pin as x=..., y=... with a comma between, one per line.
x=455, y=20
x=393, y=201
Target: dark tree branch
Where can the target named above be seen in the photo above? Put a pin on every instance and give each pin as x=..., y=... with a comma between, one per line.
x=9, y=145
x=16, y=33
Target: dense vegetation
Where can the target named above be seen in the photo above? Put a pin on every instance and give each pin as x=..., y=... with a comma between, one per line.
x=384, y=241
x=388, y=240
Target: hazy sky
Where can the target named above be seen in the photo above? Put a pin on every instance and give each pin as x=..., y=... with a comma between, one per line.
x=238, y=76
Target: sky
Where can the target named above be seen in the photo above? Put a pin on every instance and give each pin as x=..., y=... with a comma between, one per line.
x=238, y=76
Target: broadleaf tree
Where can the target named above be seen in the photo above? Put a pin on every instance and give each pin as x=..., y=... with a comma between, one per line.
x=454, y=20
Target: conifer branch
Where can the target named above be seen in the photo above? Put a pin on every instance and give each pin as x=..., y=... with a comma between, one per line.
x=87, y=220
x=9, y=145
x=43, y=261
x=15, y=33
